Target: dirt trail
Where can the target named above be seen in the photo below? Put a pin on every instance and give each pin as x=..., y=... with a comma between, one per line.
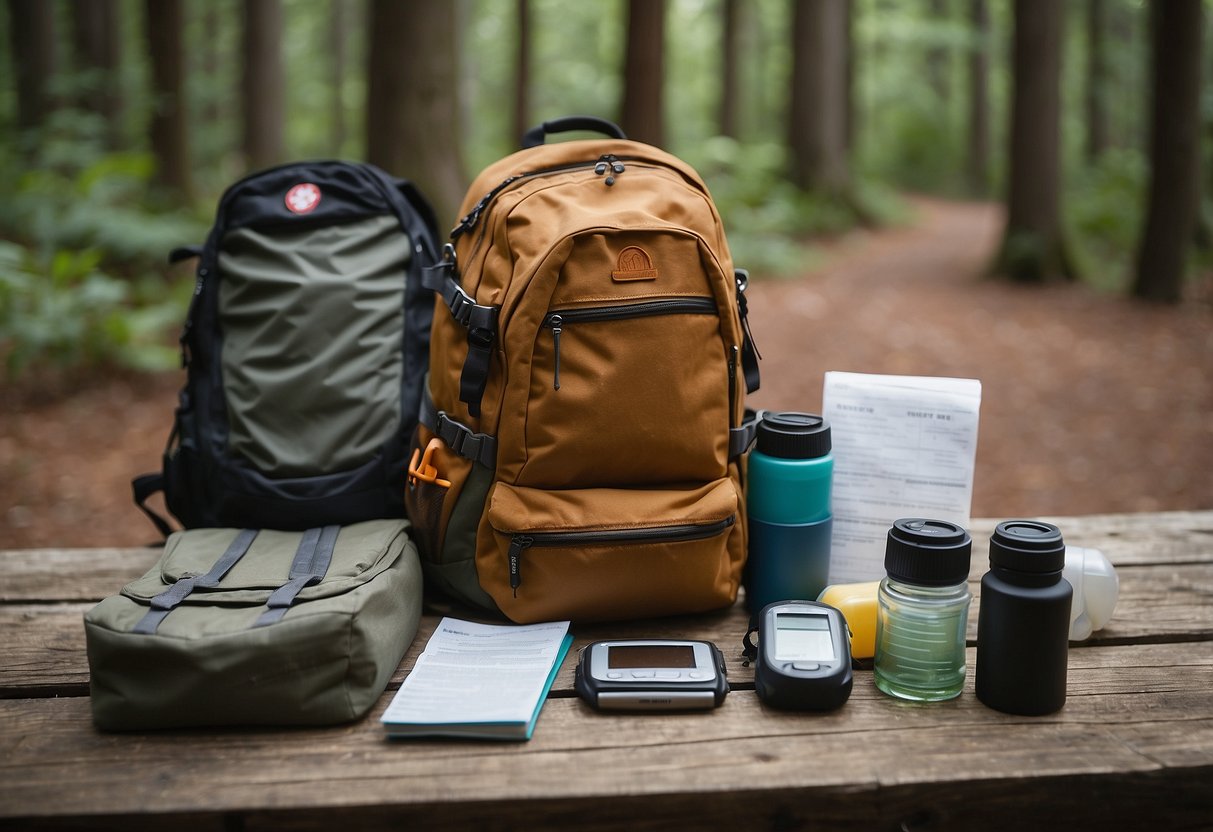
x=1090, y=403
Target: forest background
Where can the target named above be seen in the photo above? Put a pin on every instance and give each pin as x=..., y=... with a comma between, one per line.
x=1074, y=132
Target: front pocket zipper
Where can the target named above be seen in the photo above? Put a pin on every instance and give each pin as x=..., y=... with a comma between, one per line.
x=617, y=537
x=557, y=321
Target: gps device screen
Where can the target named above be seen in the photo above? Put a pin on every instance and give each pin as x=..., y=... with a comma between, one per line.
x=803, y=637
x=652, y=674
x=650, y=655
x=803, y=656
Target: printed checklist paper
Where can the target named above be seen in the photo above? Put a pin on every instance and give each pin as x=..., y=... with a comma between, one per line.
x=479, y=680
x=904, y=446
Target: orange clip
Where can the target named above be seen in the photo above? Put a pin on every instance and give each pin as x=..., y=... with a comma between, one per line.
x=425, y=470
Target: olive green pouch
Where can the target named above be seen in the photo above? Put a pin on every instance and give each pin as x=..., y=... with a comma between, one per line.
x=248, y=627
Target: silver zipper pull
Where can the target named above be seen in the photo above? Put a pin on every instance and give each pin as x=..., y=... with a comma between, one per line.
x=556, y=321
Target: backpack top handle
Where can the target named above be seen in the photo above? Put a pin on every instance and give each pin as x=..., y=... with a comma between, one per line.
x=539, y=133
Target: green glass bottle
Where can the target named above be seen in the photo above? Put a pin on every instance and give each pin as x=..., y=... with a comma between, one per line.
x=923, y=611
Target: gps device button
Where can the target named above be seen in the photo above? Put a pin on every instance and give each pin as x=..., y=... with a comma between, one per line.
x=668, y=674
x=642, y=674
x=695, y=674
x=614, y=674
x=806, y=666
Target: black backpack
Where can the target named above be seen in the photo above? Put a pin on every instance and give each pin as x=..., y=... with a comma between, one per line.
x=306, y=344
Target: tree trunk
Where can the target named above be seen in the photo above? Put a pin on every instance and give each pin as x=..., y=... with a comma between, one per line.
x=264, y=84
x=522, y=71
x=1174, y=150
x=851, y=131
x=730, y=67
x=1034, y=249
x=644, y=72
x=96, y=40
x=938, y=57
x=412, y=115
x=978, y=156
x=1097, y=81
x=817, y=121
x=31, y=25
x=211, y=110
x=168, y=134
x=337, y=42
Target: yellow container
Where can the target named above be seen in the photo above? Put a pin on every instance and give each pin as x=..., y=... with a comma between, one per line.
x=857, y=602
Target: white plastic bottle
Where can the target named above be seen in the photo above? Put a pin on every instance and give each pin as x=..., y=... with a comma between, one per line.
x=1096, y=589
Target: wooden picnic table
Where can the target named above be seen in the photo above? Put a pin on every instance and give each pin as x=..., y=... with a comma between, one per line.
x=1132, y=748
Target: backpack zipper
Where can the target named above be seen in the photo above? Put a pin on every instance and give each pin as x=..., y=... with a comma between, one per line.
x=522, y=541
x=601, y=165
x=556, y=321
x=734, y=354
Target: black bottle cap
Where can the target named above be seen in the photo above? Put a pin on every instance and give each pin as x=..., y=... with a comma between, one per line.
x=927, y=552
x=793, y=435
x=1027, y=546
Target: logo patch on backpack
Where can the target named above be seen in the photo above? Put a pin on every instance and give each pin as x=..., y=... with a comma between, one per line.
x=634, y=263
x=303, y=198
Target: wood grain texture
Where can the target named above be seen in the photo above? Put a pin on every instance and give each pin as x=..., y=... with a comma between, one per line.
x=1132, y=710
x=1178, y=537
x=1133, y=747
x=69, y=574
x=44, y=643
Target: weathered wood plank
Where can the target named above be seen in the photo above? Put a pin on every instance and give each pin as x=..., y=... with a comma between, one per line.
x=69, y=574
x=1177, y=537
x=1150, y=538
x=43, y=651
x=44, y=643
x=1165, y=799
x=1136, y=715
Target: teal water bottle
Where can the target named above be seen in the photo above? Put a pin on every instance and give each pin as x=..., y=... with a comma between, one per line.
x=788, y=505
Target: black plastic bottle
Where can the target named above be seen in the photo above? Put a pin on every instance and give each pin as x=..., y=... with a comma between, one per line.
x=1023, y=625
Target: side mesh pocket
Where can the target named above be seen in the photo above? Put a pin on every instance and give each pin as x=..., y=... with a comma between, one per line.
x=427, y=491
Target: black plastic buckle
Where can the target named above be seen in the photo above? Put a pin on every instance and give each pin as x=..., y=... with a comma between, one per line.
x=462, y=440
x=482, y=337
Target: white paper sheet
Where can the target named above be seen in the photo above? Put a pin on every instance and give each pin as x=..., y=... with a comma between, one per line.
x=904, y=446
x=478, y=673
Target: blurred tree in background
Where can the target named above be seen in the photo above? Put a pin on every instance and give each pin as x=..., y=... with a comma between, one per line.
x=263, y=85
x=1034, y=247
x=643, y=109
x=1174, y=193
x=121, y=122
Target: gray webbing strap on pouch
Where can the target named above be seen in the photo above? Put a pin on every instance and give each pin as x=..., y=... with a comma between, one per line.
x=167, y=601
x=311, y=562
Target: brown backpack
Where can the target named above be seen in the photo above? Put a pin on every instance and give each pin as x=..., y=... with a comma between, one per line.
x=580, y=450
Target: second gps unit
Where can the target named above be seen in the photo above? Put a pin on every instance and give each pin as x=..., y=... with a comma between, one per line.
x=803, y=656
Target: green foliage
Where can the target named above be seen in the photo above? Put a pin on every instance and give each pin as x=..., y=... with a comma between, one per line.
x=62, y=312
x=1104, y=207
x=98, y=207
x=81, y=274
x=767, y=218
x=764, y=214
x=911, y=133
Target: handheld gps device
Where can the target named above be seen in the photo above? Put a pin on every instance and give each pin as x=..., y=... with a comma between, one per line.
x=803, y=656
x=651, y=675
